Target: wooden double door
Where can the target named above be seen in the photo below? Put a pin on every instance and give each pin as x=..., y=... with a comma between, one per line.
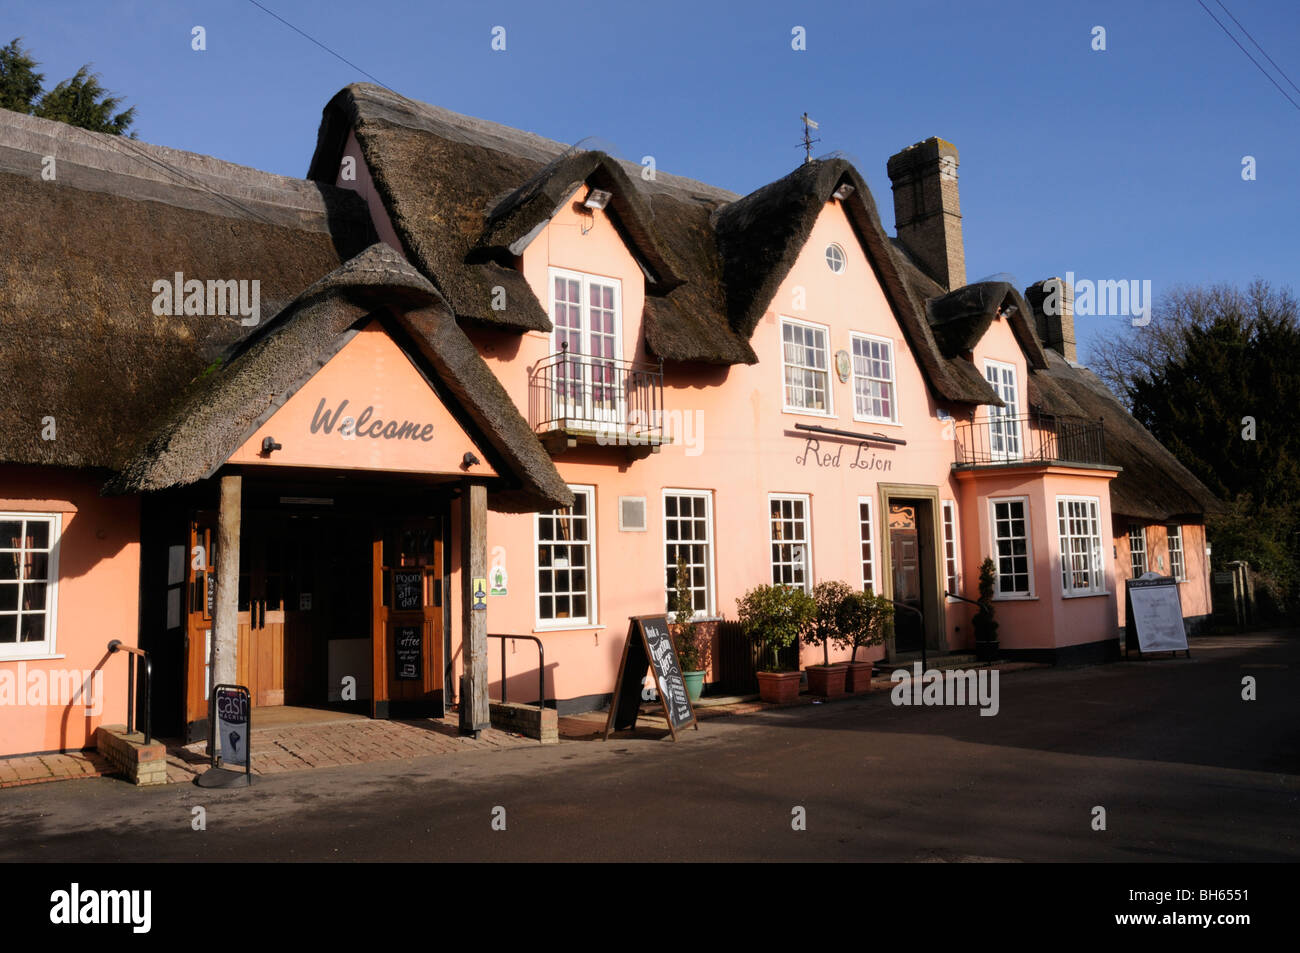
x=320, y=619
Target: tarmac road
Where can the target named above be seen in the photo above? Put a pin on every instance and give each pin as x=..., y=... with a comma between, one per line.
x=1185, y=769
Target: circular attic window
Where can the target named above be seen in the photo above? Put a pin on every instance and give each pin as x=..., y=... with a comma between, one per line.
x=835, y=259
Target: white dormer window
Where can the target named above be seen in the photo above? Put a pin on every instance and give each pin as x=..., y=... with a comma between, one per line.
x=587, y=312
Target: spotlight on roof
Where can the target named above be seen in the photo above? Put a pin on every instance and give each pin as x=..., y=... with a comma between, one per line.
x=843, y=192
x=597, y=199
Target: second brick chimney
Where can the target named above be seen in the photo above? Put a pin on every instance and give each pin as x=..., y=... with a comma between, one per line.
x=927, y=211
x=1052, y=300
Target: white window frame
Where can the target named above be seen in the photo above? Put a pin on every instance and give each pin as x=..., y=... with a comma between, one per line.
x=998, y=594
x=868, y=539
x=951, y=566
x=806, y=500
x=617, y=416
x=1097, y=567
x=1174, y=531
x=828, y=371
x=573, y=622
x=1141, y=532
x=1008, y=431
x=710, y=589
x=854, y=337
x=843, y=258
x=46, y=647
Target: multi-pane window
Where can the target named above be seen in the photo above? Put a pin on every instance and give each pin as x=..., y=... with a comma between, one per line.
x=566, y=559
x=789, y=536
x=585, y=312
x=1137, y=548
x=1079, y=528
x=806, y=361
x=688, y=535
x=1177, y=568
x=1011, y=547
x=873, y=379
x=1004, y=424
x=28, y=573
x=950, y=545
x=867, y=538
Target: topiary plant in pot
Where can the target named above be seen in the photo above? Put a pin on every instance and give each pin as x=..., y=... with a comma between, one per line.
x=692, y=647
x=826, y=679
x=773, y=618
x=986, y=629
x=864, y=619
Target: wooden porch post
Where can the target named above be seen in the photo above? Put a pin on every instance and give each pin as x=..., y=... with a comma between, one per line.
x=474, y=714
x=225, y=628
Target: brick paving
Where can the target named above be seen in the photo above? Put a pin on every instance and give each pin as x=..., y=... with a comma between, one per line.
x=327, y=744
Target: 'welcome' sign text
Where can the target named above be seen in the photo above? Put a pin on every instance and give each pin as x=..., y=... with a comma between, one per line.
x=363, y=426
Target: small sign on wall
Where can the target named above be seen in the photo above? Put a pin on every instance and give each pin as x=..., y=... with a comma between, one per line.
x=499, y=580
x=479, y=592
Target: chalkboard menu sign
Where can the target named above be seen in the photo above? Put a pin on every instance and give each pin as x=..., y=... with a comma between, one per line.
x=650, y=646
x=409, y=642
x=1153, y=615
x=408, y=590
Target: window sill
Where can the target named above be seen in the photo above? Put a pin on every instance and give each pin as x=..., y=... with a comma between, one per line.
x=877, y=421
x=1013, y=598
x=1083, y=595
x=542, y=630
x=30, y=658
x=801, y=412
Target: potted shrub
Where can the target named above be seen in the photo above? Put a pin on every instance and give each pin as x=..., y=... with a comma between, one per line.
x=773, y=618
x=864, y=620
x=986, y=629
x=826, y=679
x=692, y=648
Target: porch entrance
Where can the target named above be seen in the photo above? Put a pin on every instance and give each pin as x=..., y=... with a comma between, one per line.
x=341, y=605
x=914, y=571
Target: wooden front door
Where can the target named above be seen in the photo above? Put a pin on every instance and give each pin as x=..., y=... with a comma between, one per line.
x=260, y=653
x=409, y=616
x=200, y=611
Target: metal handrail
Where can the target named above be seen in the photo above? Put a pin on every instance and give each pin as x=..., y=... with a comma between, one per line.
x=116, y=646
x=541, y=666
x=602, y=394
x=1029, y=438
x=953, y=595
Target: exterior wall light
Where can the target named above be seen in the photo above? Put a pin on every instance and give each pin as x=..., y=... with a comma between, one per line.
x=470, y=460
x=597, y=199
x=269, y=444
x=843, y=192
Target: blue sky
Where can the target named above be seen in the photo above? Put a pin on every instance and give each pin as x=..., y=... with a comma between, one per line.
x=1117, y=164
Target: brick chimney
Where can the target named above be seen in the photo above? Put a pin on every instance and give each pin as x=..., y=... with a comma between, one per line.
x=927, y=211
x=1052, y=300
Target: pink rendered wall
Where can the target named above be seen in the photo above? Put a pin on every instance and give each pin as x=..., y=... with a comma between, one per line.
x=1194, y=593
x=97, y=600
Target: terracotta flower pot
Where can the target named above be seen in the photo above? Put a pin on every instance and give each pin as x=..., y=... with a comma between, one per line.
x=826, y=680
x=859, y=677
x=778, y=687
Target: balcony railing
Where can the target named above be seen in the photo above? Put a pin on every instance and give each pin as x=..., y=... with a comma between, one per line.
x=1029, y=438
x=615, y=401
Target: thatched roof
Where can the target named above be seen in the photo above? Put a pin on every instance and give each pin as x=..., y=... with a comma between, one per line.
x=960, y=318
x=78, y=338
x=219, y=412
x=1152, y=484
x=465, y=195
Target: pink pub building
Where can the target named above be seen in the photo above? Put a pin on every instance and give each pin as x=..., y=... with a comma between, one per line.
x=324, y=437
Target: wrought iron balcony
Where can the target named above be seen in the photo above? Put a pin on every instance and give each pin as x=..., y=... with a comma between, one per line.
x=1029, y=438
x=578, y=398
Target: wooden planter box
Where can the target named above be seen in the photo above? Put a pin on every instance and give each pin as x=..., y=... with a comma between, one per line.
x=826, y=680
x=779, y=687
x=859, y=677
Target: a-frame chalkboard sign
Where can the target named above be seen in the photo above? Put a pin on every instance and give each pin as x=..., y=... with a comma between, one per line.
x=1153, y=616
x=649, y=645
